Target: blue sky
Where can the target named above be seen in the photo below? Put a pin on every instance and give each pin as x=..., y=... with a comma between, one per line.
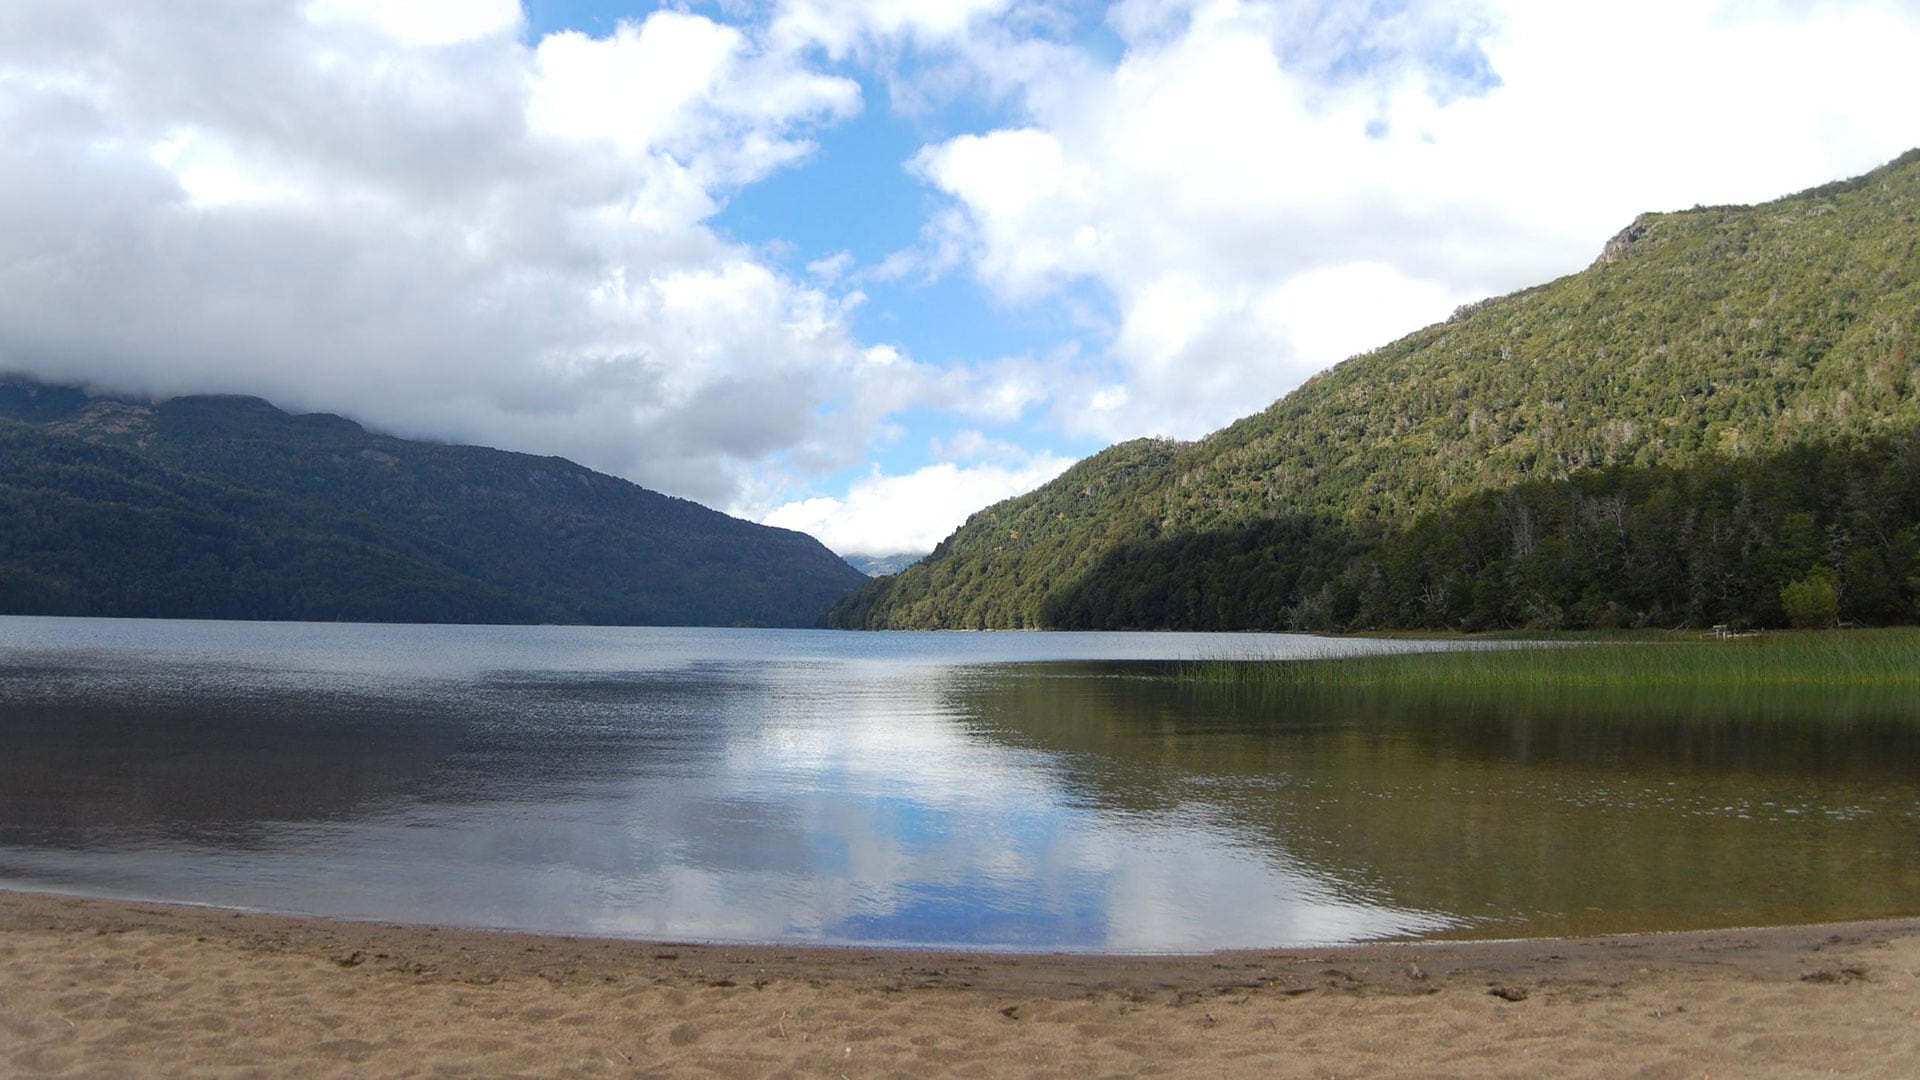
x=858, y=267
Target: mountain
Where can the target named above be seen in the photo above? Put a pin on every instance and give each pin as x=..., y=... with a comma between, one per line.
x=227, y=507
x=1719, y=345
x=879, y=565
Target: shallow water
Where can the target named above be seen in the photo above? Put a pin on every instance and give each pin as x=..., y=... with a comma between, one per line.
x=1013, y=791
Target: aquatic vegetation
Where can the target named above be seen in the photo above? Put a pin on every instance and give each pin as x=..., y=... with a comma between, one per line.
x=1811, y=660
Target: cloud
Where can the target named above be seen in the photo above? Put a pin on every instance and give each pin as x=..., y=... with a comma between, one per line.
x=410, y=215
x=910, y=513
x=1264, y=188
x=972, y=445
x=832, y=268
x=843, y=27
x=682, y=85
x=415, y=215
x=422, y=22
x=1003, y=391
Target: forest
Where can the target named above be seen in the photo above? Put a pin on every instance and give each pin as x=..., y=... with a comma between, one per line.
x=1729, y=390
x=1820, y=535
x=226, y=507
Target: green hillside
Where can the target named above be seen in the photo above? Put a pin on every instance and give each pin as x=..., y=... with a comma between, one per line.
x=1710, y=341
x=226, y=507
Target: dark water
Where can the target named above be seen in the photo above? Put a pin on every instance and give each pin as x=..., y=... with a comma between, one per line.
x=981, y=790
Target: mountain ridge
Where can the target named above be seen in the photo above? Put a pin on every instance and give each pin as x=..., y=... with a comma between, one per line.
x=1704, y=333
x=226, y=506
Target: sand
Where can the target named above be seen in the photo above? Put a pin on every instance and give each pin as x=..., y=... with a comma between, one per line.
x=100, y=989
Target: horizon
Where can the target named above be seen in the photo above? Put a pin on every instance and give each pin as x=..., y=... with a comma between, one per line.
x=858, y=270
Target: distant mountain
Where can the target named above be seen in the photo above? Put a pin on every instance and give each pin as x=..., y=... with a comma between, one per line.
x=882, y=565
x=226, y=507
x=1725, y=354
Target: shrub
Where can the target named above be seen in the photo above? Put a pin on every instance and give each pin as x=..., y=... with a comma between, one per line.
x=1812, y=602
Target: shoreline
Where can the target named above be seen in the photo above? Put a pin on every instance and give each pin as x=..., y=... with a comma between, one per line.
x=104, y=986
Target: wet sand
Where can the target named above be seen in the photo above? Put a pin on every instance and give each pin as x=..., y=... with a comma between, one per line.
x=99, y=989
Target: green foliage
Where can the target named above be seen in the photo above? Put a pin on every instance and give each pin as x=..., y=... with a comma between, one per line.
x=1813, y=602
x=1716, y=541
x=1886, y=659
x=215, y=507
x=1700, y=339
x=996, y=572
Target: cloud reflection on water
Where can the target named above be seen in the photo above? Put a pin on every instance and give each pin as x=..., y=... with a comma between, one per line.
x=674, y=796
x=914, y=789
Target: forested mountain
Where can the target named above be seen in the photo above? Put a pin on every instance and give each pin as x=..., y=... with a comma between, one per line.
x=1736, y=390
x=876, y=565
x=226, y=507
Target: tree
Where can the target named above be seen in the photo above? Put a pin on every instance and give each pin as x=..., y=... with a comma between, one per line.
x=1813, y=602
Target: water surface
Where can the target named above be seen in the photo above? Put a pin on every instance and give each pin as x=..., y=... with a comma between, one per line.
x=1001, y=791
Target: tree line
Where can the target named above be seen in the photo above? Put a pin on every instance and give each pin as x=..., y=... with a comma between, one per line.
x=1819, y=534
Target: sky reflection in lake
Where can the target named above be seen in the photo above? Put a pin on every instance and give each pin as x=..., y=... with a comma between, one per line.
x=837, y=788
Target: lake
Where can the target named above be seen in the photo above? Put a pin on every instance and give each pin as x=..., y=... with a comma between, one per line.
x=987, y=791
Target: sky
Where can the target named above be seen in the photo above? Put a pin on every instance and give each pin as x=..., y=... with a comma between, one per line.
x=859, y=268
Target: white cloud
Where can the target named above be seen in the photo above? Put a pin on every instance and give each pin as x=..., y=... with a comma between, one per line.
x=1002, y=391
x=842, y=27
x=412, y=214
x=422, y=22
x=832, y=268
x=1264, y=188
x=1033, y=210
x=972, y=445
x=640, y=89
x=888, y=515
x=1330, y=313
x=682, y=85
x=408, y=214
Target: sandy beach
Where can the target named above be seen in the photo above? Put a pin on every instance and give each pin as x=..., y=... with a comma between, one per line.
x=97, y=989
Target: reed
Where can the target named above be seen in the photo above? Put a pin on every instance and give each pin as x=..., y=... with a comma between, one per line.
x=1850, y=659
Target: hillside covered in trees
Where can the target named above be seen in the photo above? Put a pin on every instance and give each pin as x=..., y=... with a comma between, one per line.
x=1718, y=421
x=226, y=507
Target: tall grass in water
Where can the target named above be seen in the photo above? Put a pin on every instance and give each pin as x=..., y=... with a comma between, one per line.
x=1853, y=659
